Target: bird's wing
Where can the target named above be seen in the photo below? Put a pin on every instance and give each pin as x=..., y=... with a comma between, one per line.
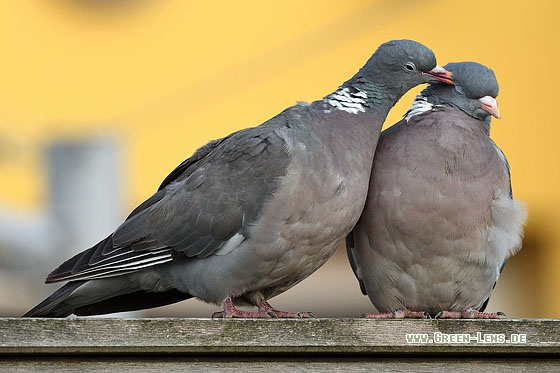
x=202, y=208
x=352, y=258
x=505, y=164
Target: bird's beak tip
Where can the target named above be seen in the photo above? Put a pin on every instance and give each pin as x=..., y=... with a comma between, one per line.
x=490, y=105
x=440, y=74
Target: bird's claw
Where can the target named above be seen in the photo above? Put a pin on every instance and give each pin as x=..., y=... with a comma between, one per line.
x=469, y=313
x=265, y=306
x=219, y=315
x=238, y=314
x=265, y=311
x=230, y=311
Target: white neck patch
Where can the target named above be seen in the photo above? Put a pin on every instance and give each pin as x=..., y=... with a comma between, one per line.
x=419, y=106
x=343, y=99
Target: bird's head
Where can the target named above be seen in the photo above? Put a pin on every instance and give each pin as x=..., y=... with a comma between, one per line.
x=400, y=65
x=475, y=90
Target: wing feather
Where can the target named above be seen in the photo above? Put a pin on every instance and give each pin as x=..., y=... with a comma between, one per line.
x=203, y=206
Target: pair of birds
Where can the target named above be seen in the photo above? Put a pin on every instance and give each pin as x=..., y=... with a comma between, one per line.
x=250, y=215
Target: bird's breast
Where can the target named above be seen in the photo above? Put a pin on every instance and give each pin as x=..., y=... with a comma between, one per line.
x=315, y=206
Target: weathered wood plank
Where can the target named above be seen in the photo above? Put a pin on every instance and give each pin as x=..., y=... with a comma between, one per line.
x=274, y=364
x=274, y=337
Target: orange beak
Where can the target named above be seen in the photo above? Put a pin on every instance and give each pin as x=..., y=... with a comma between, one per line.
x=490, y=105
x=439, y=74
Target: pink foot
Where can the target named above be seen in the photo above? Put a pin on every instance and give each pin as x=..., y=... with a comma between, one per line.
x=469, y=313
x=398, y=314
x=264, y=306
x=230, y=311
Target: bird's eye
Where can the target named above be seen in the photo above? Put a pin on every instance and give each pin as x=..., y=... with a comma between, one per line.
x=460, y=90
x=409, y=66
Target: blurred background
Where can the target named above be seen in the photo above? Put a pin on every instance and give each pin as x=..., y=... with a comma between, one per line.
x=100, y=100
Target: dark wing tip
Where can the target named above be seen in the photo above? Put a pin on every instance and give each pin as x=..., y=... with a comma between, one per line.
x=350, y=245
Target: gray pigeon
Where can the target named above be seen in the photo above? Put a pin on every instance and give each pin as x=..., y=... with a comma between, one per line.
x=252, y=214
x=440, y=220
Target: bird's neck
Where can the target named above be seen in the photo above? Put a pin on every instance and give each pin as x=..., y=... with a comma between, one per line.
x=357, y=96
x=426, y=103
x=419, y=106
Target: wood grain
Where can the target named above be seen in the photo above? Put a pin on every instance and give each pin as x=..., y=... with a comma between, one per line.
x=144, y=344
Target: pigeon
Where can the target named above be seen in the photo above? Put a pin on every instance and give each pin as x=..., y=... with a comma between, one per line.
x=440, y=220
x=252, y=214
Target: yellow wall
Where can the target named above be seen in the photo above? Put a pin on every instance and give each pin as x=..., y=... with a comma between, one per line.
x=169, y=75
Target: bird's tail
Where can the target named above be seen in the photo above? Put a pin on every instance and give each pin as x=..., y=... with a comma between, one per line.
x=84, y=298
x=54, y=305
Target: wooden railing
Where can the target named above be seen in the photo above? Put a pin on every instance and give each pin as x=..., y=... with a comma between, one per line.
x=275, y=344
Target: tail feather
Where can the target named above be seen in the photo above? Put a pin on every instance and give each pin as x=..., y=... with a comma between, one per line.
x=61, y=304
x=132, y=302
x=54, y=305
